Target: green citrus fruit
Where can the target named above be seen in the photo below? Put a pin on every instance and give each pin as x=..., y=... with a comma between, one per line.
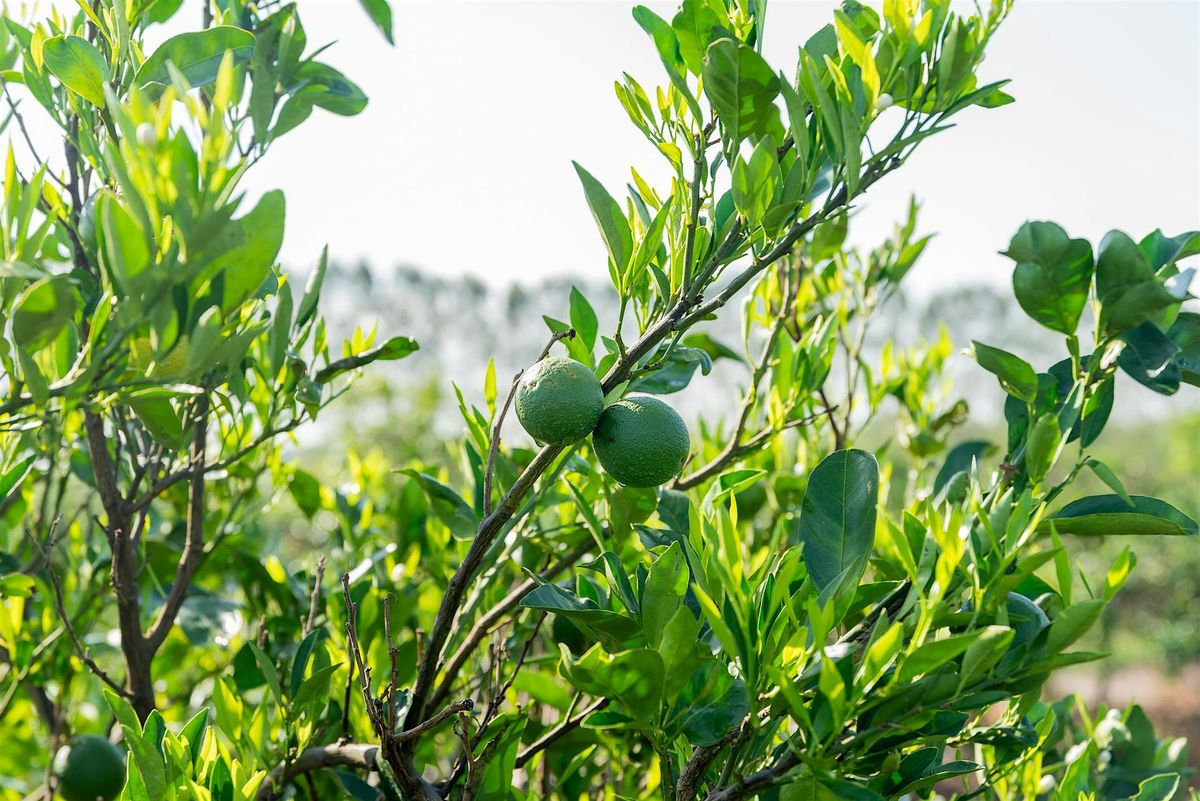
x=173, y=362
x=90, y=768
x=641, y=441
x=559, y=401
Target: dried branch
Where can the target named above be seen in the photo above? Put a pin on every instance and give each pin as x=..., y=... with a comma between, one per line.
x=314, y=600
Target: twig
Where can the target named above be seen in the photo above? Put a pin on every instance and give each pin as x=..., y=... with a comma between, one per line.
x=193, y=545
x=839, y=434
x=494, y=447
x=465, y=705
x=698, y=763
x=311, y=621
x=354, y=755
x=557, y=733
x=748, y=785
x=60, y=604
x=491, y=617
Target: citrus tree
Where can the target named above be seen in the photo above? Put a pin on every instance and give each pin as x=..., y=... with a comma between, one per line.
x=777, y=605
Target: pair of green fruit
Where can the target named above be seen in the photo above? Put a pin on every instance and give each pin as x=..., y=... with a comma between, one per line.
x=640, y=441
x=90, y=768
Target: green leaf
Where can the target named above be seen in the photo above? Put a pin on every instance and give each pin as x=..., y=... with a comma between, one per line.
x=79, y=65
x=193, y=732
x=380, y=12
x=1105, y=474
x=1016, y=376
x=837, y=522
x=710, y=705
x=662, y=595
x=1185, y=333
x=756, y=182
x=1149, y=358
x=197, y=55
x=266, y=666
x=933, y=654
x=242, y=254
x=959, y=459
x=675, y=373
x=583, y=319
x=634, y=678
x=449, y=507
x=741, y=86
x=41, y=312
x=613, y=629
x=1072, y=623
x=324, y=87
x=1052, y=276
x=614, y=228
x=1128, y=290
x=1110, y=515
x=1043, y=446
x=1158, y=788
x=394, y=349
x=694, y=28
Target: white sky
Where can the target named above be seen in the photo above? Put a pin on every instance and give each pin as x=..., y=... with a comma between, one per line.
x=462, y=161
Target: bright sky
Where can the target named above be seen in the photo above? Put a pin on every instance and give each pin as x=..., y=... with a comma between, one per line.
x=462, y=161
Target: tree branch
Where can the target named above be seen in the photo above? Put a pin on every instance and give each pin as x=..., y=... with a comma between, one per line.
x=353, y=755
x=193, y=545
x=558, y=732
x=489, y=619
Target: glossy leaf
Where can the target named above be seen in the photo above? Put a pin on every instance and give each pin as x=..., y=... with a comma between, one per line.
x=837, y=521
x=197, y=55
x=1053, y=275
x=1109, y=515
x=1016, y=376
x=741, y=86
x=78, y=64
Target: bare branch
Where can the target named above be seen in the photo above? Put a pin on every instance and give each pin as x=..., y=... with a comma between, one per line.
x=558, y=732
x=353, y=755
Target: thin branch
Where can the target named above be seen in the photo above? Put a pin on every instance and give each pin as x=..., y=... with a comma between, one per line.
x=352, y=755
x=313, y=600
x=489, y=619
x=408, y=735
x=745, y=786
x=692, y=775
x=60, y=604
x=193, y=546
x=558, y=732
x=171, y=479
x=839, y=433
